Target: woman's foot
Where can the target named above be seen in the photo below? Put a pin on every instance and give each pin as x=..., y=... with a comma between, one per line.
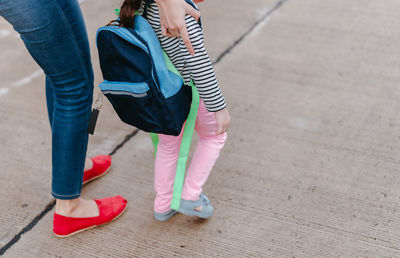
x=74, y=216
x=96, y=167
x=77, y=208
x=88, y=164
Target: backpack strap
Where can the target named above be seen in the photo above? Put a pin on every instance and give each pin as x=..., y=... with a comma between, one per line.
x=187, y=136
x=188, y=129
x=185, y=148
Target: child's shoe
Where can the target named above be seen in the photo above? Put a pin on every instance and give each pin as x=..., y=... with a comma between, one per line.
x=201, y=208
x=165, y=215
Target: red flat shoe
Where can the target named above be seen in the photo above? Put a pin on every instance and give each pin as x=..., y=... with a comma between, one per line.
x=109, y=208
x=101, y=165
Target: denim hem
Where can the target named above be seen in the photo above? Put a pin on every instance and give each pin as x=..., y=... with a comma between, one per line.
x=65, y=197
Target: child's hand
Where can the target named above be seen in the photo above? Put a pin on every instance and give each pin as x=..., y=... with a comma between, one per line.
x=223, y=120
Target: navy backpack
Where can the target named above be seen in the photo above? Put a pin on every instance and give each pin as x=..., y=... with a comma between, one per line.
x=137, y=81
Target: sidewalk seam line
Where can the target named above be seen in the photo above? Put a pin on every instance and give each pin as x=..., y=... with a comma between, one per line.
x=51, y=204
x=17, y=237
x=249, y=31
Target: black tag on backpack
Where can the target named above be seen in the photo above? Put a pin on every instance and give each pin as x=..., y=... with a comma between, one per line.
x=93, y=120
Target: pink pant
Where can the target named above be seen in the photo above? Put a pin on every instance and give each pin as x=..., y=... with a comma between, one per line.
x=204, y=157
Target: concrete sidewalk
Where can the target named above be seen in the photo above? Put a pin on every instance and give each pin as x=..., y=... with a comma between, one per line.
x=311, y=165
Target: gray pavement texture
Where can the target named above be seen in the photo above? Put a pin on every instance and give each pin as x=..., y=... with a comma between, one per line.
x=311, y=166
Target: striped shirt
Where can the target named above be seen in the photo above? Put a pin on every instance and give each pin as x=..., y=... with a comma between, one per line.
x=197, y=67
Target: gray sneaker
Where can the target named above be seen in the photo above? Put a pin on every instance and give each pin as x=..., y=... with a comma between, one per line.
x=189, y=207
x=165, y=215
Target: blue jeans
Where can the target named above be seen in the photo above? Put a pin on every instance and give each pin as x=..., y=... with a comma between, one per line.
x=55, y=35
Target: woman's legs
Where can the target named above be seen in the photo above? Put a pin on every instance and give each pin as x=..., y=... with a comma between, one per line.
x=47, y=34
x=72, y=12
x=76, y=22
x=205, y=155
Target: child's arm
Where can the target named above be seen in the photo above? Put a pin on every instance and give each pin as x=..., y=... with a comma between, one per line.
x=223, y=120
x=202, y=73
x=200, y=68
x=197, y=67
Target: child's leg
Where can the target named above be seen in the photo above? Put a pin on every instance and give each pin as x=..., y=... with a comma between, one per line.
x=205, y=155
x=165, y=168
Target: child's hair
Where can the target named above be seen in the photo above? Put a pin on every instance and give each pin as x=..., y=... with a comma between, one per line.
x=127, y=13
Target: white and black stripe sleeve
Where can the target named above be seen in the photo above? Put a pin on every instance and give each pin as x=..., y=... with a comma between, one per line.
x=197, y=67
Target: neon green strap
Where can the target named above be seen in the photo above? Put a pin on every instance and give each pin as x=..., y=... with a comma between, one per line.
x=185, y=148
x=154, y=140
x=186, y=139
x=117, y=11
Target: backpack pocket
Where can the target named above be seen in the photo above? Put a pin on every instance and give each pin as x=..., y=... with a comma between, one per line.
x=134, y=104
